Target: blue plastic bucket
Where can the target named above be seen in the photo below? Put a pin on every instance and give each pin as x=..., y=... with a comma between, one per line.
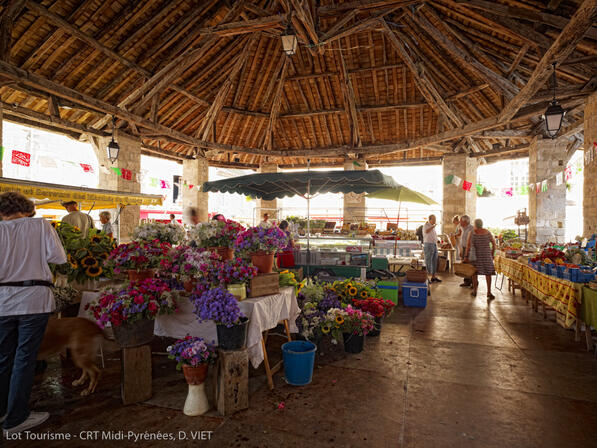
x=299, y=358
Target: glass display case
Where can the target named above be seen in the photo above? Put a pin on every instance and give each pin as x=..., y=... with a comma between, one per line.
x=335, y=251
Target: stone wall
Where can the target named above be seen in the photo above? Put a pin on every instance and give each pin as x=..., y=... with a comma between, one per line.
x=1, y=127
x=457, y=201
x=590, y=173
x=547, y=210
x=355, y=210
x=129, y=158
x=195, y=172
x=270, y=207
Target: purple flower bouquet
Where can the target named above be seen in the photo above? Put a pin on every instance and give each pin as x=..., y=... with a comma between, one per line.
x=261, y=239
x=191, y=351
x=219, y=306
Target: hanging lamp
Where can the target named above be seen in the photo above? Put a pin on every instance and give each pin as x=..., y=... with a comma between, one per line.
x=554, y=114
x=113, y=148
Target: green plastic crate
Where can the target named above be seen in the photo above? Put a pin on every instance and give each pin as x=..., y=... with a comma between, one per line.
x=389, y=289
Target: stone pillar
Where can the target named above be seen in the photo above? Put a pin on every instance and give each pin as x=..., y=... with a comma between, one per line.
x=355, y=206
x=590, y=186
x=456, y=200
x=195, y=172
x=547, y=210
x=129, y=158
x=270, y=207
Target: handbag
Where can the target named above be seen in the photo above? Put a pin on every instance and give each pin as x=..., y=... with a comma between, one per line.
x=465, y=270
x=416, y=275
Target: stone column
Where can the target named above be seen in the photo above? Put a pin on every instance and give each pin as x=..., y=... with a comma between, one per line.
x=456, y=200
x=129, y=158
x=547, y=210
x=195, y=172
x=355, y=206
x=270, y=207
x=590, y=186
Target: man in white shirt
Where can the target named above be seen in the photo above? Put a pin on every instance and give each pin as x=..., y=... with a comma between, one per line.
x=467, y=228
x=430, y=247
x=27, y=246
x=76, y=218
x=173, y=219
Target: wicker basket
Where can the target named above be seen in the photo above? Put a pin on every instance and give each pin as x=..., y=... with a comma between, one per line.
x=464, y=270
x=416, y=276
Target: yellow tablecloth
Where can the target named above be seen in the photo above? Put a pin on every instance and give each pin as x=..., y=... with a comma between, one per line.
x=561, y=295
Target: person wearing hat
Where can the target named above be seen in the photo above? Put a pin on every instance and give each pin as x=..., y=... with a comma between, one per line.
x=76, y=218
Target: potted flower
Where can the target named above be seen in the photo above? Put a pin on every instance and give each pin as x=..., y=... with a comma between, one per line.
x=218, y=236
x=233, y=275
x=138, y=259
x=166, y=233
x=315, y=301
x=86, y=256
x=352, y=323
x=190, y=265
x=378, y=308
x=193, y=355
x=261, y=243
x=132, y=310
x=220, y=306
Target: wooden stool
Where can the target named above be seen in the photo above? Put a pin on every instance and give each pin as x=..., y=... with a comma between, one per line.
x=135, y=374
x=270, y=372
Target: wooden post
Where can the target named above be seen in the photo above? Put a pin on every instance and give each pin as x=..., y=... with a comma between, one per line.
x=135, y=382
x=232, y=381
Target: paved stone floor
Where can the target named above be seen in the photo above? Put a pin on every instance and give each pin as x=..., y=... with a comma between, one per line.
x=460, y=373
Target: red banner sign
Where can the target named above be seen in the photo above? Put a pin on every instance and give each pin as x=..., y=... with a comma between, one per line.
x=21, y=158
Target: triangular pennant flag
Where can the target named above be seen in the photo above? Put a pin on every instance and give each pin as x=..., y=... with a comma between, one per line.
x=116, y=170
x=104, y=170
x=456, y=181
x=1, y=152
x=538, y=187
x=153, y=182
x=524, y=190
x=127, y=174
x=355, y=163
x=466, y=185
x=480, y=189
x=86, y=167
x=568, y=172
x=560, y=178
x=191, y=186
x=164, y=184
x=448, y=179
x=544, y=185
x=248, y=198
x=509, y=192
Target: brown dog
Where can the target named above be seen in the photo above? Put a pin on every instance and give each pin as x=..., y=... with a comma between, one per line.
x=83, y=338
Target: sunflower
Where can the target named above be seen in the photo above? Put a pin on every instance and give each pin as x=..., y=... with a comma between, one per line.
x=54, y=224
x=352, y=291
x=93, y=271
x=103, y=256
x=89, y=262
x=339, y=319
x=325, y=329
x=96, y=239
x=77, y=228
x=364, y=294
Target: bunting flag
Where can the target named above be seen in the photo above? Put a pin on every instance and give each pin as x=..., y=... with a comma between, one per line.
x=116, y=170
x=538, y=187
x=127, y=174
x=21, y=158
x=47, y=162
x=480, y=189
x=153, y=182
x=355, y=163
x=164, y=184
x=456, y=180
x=559, y=179
x=1, y=152
x=448, y=179
x=509, y=192
x=544, y=186
x=86, y=167
x=191, y=186
x=466, y=185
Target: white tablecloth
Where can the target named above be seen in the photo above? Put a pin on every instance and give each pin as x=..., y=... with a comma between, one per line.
x=264, y=313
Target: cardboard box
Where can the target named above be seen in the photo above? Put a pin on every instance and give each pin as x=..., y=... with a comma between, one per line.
x=264, y=285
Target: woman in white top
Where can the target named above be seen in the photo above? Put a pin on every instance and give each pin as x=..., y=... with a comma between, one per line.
x=430, y=247
x=27, y=246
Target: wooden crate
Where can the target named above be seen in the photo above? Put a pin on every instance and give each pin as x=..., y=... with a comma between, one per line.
x=135, y=373
x=264, y=285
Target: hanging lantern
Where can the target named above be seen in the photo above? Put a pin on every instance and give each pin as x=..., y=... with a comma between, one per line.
x=113, y=147
x=289, y=39
x=554, y=114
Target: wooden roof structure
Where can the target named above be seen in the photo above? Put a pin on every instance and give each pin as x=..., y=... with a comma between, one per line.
x=391, y=81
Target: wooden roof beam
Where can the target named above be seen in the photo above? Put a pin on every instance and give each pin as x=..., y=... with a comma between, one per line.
x=426, y=87
x=501, y=151
x=275, y=110
x=563, y=46
x=364, y=4
x=205, y=128
x=244, y=27
x=525, y=14
x=349, y=100
x=10, y=12
x=495, y=79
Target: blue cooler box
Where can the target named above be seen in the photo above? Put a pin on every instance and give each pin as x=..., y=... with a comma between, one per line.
x=414, y=294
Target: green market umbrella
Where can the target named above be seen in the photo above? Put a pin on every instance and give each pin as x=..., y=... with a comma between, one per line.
x=401, y=194
x=307, y=184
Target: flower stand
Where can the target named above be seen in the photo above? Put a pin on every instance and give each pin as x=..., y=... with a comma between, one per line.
x=196, y=402
x=135, y=377
x=231, y=383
